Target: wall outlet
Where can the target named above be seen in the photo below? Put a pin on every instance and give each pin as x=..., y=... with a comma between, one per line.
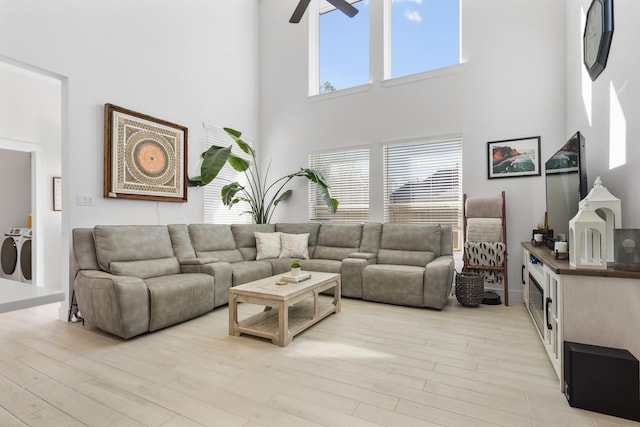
x=84, y=199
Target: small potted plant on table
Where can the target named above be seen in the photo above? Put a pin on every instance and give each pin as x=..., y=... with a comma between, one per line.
x=295, y=268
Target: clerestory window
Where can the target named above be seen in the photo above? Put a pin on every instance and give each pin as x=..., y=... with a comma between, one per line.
x=418, y=36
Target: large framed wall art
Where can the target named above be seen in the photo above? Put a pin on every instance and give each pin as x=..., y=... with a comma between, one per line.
x=144, y=157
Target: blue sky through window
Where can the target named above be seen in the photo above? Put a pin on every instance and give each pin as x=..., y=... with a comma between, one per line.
x=425, y=35
x=344, y=47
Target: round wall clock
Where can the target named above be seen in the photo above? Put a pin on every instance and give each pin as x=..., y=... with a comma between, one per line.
x=598, y=32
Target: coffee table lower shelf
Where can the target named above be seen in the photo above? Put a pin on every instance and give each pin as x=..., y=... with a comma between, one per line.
x=301, y=317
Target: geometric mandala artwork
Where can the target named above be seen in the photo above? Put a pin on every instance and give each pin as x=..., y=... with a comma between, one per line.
x=145, y=157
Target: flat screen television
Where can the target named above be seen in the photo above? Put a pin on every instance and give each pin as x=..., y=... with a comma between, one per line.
x=566, y=184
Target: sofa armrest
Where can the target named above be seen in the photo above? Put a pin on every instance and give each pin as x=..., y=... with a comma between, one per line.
x=221, y=272
x=116, y=304
x=351, y=272
x=364, y=255
x=438, y=279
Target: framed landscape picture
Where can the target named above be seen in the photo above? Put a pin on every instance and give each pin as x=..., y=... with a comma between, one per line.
x=514, y=158
x=144, y=157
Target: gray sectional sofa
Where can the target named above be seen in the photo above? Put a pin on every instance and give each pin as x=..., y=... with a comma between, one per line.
x=132, y=279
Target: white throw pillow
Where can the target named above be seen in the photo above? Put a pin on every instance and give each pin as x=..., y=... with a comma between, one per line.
x=267, y=244
x=294, y=245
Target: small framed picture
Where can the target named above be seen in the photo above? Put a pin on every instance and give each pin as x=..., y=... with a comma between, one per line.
x=512, y=158
x=57, y=193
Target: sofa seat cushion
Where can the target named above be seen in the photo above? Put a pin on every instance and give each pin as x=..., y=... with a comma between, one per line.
x=179, y=297
x=324, y=265
x=415, y=258
x=280, y=265
x=394, y=284
x=248, y=271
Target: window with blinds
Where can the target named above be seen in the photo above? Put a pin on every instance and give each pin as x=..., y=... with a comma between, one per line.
x=423, y=184
x=347, y=173
x=215, y=212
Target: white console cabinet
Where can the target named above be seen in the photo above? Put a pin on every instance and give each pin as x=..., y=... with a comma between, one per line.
x=598, y=307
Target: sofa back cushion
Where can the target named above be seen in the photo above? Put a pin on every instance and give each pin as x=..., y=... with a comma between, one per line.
x=243, y=235
x=135, y=250
x=371, y=232
x=337, y=241
x=409, y=244
x=214, y=241
x=181, y=242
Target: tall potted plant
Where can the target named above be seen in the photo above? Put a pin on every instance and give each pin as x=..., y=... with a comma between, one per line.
x=261, y=197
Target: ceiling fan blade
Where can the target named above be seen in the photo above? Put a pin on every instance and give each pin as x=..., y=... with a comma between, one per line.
x=300, y=9
x=345, y=7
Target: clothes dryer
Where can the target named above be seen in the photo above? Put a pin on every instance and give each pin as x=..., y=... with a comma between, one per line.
x=25, y=255
x=10, y=254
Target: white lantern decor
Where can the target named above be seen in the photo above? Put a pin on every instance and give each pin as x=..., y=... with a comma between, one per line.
x=608, y=207
x=587, y=239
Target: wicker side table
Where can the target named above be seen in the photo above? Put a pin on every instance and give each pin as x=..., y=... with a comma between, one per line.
x=469, y=288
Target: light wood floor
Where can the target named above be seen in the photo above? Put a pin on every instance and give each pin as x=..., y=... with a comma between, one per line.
x=372, y=364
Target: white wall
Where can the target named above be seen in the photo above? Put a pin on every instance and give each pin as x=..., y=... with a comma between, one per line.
x=186, y=62
x=511, y=86
x=620, y=80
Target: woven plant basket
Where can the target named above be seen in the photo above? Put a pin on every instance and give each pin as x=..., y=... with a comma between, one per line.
x=469, y=288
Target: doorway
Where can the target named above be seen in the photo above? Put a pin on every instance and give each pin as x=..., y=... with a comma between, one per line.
x=31, y=134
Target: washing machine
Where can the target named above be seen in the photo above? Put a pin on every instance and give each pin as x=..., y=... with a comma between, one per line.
x=10, y=254
x=25, y=255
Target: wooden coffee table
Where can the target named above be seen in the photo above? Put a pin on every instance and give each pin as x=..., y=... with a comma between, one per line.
x=299, y=306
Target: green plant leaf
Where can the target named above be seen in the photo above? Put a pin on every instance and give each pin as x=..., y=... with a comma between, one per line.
x=316, y=176
x=213, y=162
x=283, y=196
x=238, y=163
x=235, y=135
x=228, y=193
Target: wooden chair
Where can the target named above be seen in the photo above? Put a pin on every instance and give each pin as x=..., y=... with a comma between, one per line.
x=485, y=239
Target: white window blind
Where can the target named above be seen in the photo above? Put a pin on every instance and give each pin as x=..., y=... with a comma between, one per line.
x=348, y=175
x=215, y=212
x=423, y=184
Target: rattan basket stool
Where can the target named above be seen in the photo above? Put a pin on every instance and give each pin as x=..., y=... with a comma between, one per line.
x=469, y=288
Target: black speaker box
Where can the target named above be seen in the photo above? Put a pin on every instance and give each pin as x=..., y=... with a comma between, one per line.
x=602, y=379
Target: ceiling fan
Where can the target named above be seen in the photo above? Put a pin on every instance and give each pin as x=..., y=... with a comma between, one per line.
x=343, y=5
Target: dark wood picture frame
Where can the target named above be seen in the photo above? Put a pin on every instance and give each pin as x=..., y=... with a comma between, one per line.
x=511, y=158
x=57, y=193
x=144, y=157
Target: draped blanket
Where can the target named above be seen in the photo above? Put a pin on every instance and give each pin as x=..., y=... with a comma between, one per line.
x=486, y=254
